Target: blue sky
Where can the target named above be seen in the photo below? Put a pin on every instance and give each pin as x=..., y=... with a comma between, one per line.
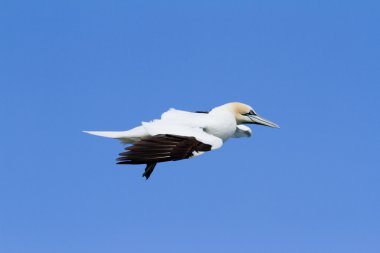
x=310, y=66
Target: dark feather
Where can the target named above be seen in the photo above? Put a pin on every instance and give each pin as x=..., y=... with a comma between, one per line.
x=161, y=148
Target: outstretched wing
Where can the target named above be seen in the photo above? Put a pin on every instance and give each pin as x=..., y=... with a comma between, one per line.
x=168, y=141
x=162, y=148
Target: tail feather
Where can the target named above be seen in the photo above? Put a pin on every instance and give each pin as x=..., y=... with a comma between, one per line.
x=125, y=137
x=108, y=134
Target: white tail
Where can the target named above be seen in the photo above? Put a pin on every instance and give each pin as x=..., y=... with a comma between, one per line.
x=115, y=135
x=129, y=136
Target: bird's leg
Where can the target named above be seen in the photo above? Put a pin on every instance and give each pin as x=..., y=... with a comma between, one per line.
x=148, y=170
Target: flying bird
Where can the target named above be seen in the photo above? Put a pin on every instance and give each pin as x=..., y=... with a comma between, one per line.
x=181, y=134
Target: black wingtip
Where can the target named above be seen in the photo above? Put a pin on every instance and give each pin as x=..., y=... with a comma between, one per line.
x=154, y=149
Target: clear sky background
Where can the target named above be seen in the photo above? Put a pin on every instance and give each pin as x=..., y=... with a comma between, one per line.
x=310, y=66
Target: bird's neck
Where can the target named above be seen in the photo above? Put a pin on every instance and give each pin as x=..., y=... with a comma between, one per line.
x=222, y=123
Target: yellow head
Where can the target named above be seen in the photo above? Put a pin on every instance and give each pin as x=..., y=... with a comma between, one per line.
x=244, y=114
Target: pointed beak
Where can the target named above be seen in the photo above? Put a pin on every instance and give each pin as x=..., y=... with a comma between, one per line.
x=261, y=121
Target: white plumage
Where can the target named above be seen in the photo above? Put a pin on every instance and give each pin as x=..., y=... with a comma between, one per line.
x=181, y=134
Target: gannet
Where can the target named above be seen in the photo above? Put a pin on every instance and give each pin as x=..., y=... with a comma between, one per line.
x=181, y=134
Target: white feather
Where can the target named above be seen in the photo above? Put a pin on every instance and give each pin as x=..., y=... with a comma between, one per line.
x=186, y=118
x=210, y=128
x=242, y=131
x=129, y=136
x=167, y=127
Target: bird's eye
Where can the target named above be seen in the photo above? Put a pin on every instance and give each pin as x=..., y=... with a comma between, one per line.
x=251, y=112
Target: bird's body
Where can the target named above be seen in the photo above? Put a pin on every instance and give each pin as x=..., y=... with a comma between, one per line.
x=181, y=134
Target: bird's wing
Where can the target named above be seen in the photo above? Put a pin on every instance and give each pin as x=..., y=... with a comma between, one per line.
x=174, y=128
x=172, y=117
x=168, y=142
x=162, y=148
x=186, y=118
